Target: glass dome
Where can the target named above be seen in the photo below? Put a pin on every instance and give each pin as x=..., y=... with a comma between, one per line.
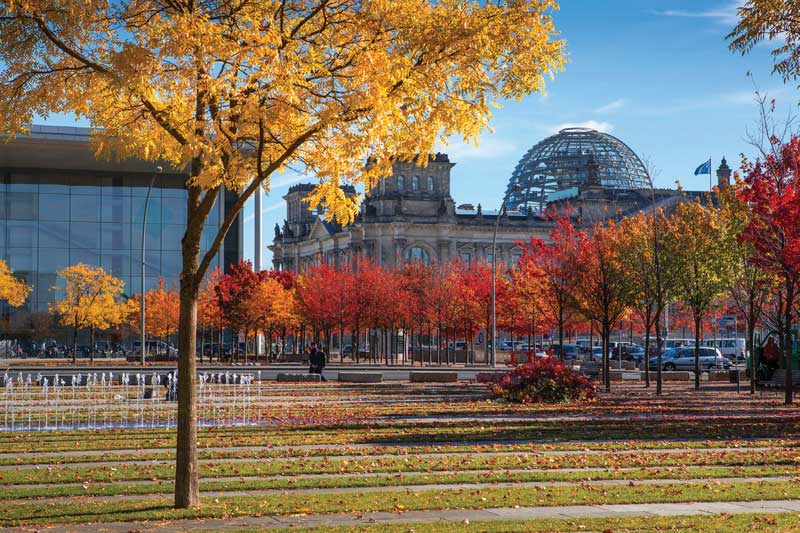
x=556, y=166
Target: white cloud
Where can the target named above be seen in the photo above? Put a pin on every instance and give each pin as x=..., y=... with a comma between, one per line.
x=488, y=148
x=605, y=127
x=270, y=208
x=736, y=98
x=266, y=209
x=287, y=179
x=725, y=14
x=611, y=107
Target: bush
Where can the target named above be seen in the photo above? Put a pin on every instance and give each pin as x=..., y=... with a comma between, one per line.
x=543, y=380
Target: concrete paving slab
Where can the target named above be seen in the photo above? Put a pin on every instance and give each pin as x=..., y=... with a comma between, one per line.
x=411, y=517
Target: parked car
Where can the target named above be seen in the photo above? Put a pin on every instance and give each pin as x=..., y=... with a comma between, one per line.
x=157, y=348
x=524, y=358
x=597, y=353
x=586, y=344
x=362, y=349
x=571, y=351
x=628, y=352
x=683, y=359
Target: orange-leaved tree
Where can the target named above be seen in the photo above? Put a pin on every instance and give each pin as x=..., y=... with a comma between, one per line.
x=161, y=312
x=236, y=91
x=271, y=307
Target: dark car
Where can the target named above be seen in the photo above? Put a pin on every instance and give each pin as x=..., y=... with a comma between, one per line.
x=629, y=353
x=570, y=351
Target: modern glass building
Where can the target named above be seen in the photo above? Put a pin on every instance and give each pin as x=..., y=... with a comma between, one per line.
x=60, y=206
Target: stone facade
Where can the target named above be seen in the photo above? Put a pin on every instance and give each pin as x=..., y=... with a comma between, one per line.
x=412, y=215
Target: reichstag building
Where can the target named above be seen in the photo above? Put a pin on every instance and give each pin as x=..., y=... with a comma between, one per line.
x=412, y=214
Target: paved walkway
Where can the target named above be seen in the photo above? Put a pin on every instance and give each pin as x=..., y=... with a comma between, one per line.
x=474, y=515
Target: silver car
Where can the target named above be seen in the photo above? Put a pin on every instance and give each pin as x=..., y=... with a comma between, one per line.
x=683, y=359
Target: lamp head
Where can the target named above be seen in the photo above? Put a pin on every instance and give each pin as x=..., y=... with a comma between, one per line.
x=159, y=170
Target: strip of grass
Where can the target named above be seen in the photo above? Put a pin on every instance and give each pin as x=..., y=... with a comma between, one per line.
x=429, y=432
x=391, y=480
x=785, y=522
x=414, y=463
x=86, y=511
x=271, y=453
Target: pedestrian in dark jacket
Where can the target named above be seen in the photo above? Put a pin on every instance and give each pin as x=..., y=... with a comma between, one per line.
x=316, y=361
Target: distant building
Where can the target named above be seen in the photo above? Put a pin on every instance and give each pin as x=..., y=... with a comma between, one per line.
x=411, y=214
x=59, y=206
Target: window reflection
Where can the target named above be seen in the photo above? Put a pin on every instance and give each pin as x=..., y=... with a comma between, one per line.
x=52, y=219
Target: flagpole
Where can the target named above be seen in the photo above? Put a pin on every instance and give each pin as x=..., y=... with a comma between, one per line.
x=710, y=186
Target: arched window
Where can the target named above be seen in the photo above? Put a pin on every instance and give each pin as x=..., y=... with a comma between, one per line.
x=401, y=183
x=418, y=253
x=430, y=183
x=415, y=183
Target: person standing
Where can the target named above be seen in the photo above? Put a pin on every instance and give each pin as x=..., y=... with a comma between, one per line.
x=316, y=361
x=321, y=360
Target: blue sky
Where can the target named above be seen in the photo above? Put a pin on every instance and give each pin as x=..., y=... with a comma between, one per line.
x=655, y=73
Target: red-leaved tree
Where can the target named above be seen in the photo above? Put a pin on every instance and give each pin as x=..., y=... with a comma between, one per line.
x=772, y=188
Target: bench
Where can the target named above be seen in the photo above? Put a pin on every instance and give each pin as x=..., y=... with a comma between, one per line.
x=298, y=378
x=624, y=375
x=778, y=380
x=360, y=377
x=590, y=368
x=719, y=375
x=674, y=375
x=433, y=377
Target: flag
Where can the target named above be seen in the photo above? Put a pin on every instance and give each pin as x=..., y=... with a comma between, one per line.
x=705, y=168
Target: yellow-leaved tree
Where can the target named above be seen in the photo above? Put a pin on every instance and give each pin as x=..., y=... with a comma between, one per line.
x=89, y=299
x=13, y=291
x=235, y=91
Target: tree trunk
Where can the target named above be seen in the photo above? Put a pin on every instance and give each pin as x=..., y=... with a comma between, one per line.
x=697, y=320
x=787, y=344
x=75, y=344
x=659, y=341
x=187, y=479
x=647, y=356
x=606, y=334
x=561, y=332
x=91, y=345
x=750, y=349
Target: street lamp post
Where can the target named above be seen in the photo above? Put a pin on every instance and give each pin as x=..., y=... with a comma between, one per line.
x=515, y=188
x=144, y=231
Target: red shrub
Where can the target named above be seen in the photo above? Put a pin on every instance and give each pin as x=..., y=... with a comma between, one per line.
x=543, y=380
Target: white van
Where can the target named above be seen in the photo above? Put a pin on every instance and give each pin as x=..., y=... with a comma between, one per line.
x=735, y=349
x=677, y=343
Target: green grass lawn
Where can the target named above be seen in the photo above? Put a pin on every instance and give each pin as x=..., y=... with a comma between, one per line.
x=708, y=436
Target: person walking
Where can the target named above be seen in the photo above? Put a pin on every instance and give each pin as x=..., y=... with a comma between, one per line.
x=316, y=360
x=321, y=360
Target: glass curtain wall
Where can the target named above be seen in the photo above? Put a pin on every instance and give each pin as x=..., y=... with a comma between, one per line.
x=53, y=219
